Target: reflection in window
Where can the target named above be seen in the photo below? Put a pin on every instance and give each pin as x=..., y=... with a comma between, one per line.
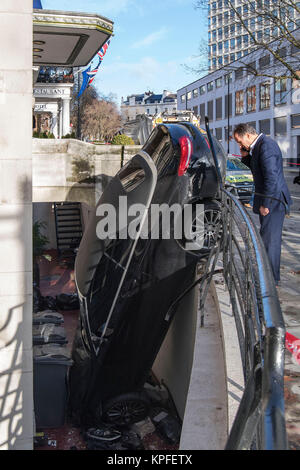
x=239, y=102
x=264, y=96
x=251, y=99
x=280, y=91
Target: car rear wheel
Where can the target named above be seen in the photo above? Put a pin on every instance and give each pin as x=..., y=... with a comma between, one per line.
x=125, y=409
x=205, y=229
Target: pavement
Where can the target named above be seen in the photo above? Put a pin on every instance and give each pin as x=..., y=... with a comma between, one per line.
x=289, y=297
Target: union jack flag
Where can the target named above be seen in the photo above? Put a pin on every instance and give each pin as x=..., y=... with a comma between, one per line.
x=88, y=74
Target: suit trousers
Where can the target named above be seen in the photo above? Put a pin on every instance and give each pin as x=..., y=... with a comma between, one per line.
x=271, y=233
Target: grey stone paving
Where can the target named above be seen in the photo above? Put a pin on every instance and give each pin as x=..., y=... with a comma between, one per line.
x=289, y=297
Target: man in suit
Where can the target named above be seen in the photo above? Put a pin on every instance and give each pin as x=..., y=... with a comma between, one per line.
x=272, y=197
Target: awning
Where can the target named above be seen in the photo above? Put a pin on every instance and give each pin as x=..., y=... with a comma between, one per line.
x=68, y=39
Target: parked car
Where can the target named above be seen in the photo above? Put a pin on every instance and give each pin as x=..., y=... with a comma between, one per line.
x=239, y=178
x=129, y=288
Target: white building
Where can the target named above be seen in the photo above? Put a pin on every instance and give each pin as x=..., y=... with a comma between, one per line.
x=229, y=39
x=148, y=103
x=272, y=106
x=28, y=37
x=52, y=108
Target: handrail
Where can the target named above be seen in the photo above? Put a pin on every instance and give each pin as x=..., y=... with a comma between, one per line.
x=260, y=421
x=261, y=331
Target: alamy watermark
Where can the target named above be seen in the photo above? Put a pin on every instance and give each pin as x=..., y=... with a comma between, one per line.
x=159, y=221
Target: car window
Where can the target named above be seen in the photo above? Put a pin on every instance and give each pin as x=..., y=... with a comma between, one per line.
x=159, y=147
x=234, y=164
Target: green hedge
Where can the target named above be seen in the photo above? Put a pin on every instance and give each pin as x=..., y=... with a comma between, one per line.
x=122, y=139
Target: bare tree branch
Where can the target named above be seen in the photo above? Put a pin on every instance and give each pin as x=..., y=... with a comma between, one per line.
x=279, y=26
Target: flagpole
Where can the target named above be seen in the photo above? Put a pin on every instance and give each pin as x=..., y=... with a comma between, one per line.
x=78, y=113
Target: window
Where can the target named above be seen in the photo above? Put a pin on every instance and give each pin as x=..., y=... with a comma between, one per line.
x=220, y=60
x=218, y=82
x=238, y=42
x=239, y=102
x=259, y=35
x=232, y=43
x=189, y=95
x=182, y=98
x=218, y=133
x=295, y=119
x=264, y=96
x=239, y=73
x=245, y=40
x=228, y=104
x=202, y=89
x=226, y=45
x=219, y=108
x=195, y=110
x=280, y=91
x=210, y=110
x=251, y=99
x=282, y=52
x=264, y=61
x=220, y=47
x=226, y=132
x=210, y=86
x=228, y=78
x=202, y=112
x=280, y=125
x=251, y=68
x=220, y=33
x=195, y=93
x=265, y=127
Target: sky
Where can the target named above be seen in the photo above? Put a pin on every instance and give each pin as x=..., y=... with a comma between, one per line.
x=152, y=41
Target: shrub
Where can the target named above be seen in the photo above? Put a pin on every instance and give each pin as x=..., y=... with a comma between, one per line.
x=122, y=139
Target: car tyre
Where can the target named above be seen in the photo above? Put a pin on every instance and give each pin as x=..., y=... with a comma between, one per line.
x=125, y=409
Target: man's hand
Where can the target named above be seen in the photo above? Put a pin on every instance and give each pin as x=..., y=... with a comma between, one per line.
x=264, y=211
x=244, y=153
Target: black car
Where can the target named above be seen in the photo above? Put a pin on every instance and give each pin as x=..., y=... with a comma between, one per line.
x=130, y=286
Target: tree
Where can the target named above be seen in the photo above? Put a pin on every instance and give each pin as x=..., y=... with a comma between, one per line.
x=101, y=120
x=280, y=21
x=78, y=105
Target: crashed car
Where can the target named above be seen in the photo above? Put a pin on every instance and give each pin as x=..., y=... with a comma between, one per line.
x=239, y=178
x=130, y=287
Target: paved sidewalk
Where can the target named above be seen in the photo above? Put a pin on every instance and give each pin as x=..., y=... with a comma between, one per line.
x=289, y=297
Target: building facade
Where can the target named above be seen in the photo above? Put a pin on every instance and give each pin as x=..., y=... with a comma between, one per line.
x=148, y=103
x=52, y=96
x=229, y=38
x=229, y=96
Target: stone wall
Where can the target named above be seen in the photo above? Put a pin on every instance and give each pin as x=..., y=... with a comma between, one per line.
x=65, y=169
x=16, y=378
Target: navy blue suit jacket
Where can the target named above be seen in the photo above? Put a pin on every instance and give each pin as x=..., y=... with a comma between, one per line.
x=267, y=169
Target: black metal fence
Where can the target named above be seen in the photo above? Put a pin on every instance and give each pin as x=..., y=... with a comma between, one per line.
x=260, y=421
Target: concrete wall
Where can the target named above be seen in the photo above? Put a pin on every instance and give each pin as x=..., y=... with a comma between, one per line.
x=16, y=394
x=57, y=164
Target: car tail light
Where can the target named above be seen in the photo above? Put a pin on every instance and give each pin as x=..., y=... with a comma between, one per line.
x=186, y=150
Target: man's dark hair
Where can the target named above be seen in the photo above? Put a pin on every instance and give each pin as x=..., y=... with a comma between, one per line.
x=242, y=129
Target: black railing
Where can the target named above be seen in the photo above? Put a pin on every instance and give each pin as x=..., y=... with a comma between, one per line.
x=260, y=421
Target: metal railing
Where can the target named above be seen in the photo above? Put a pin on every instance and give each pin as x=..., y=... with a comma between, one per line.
x=260, y=421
